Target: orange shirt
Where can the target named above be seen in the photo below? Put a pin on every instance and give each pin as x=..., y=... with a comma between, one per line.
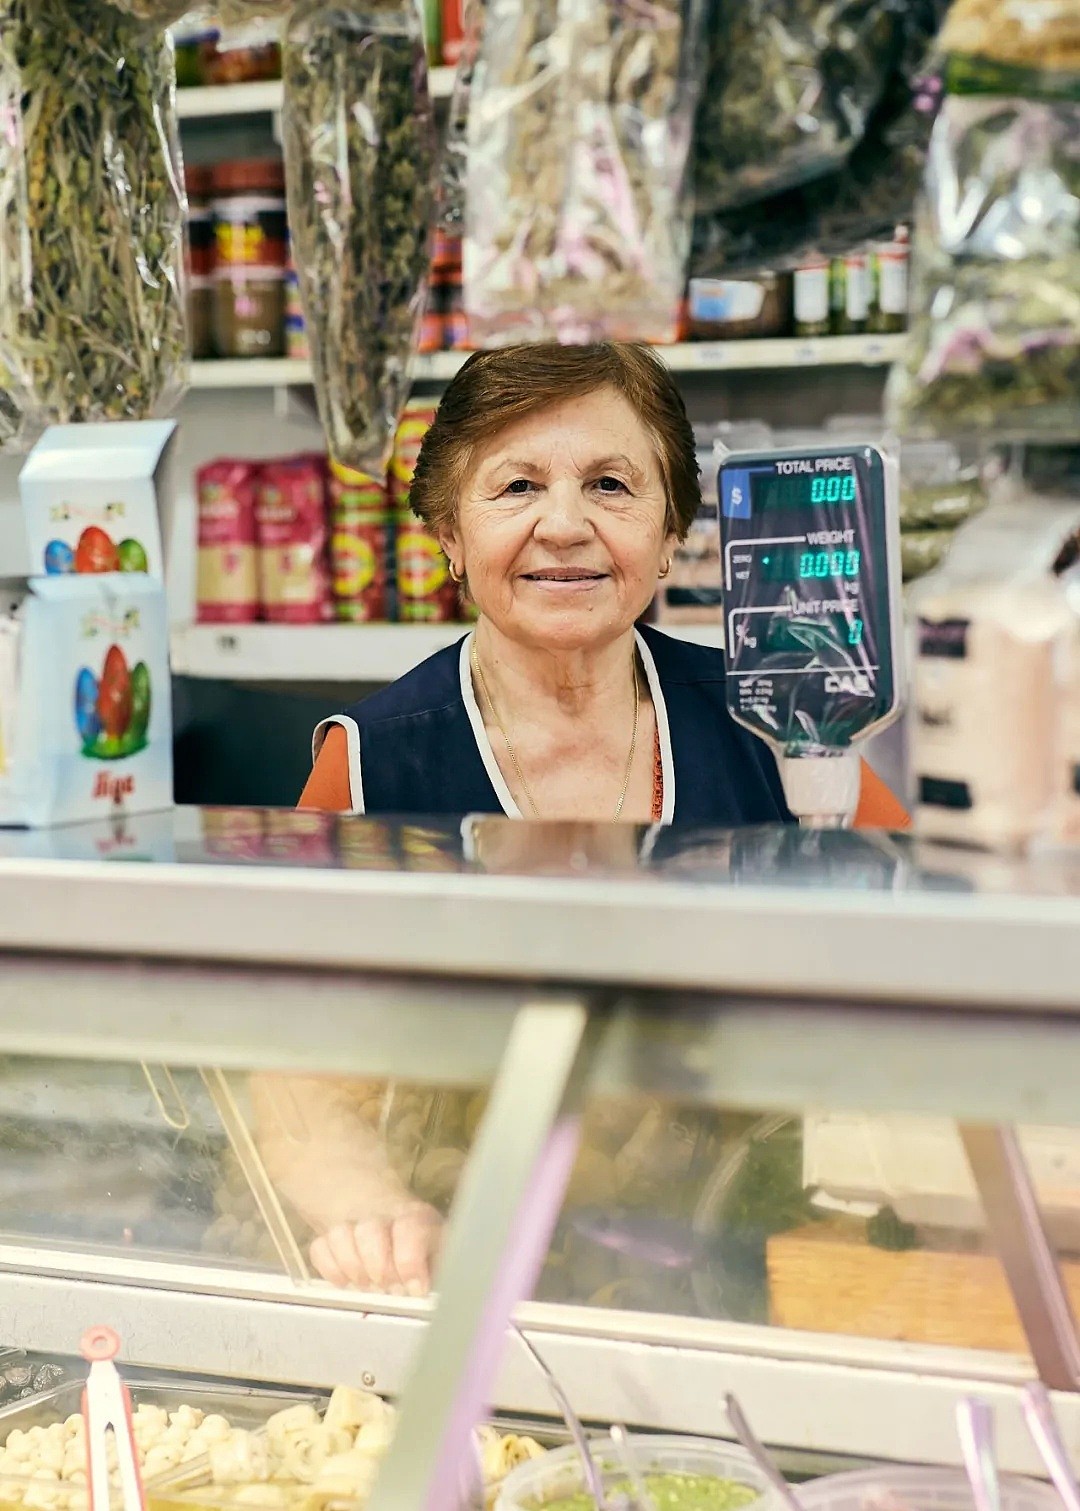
x=327, y=788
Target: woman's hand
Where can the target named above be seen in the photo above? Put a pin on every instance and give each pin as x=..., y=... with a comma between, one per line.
x=394, y=1254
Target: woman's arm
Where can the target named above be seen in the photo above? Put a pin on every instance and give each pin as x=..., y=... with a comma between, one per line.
x=878, y=808
x=333, y=1168
x=327, y=788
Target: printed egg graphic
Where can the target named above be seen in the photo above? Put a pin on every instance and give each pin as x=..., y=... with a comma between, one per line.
x=140, y=703
x=59, y=559
x=96, y=552
x=114, y=694
x=132, y=556
x=86, y=711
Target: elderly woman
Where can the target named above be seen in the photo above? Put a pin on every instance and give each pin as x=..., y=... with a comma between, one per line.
x=559, y=481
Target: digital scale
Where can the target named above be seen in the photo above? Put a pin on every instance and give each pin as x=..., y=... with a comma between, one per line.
x=810, y=549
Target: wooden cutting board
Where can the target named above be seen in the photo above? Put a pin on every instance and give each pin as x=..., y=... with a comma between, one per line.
x=825, y=1281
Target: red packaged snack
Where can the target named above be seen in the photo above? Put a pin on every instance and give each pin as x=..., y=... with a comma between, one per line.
x=427, y=594
x=227, y=574
x=290, y=522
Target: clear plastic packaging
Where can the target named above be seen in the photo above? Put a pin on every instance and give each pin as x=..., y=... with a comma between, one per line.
x=360, y=171
x=938, y=493
x=560, y=1473
x=860, y=199
x=158, y=12
x=92, y=310
x=1042, y=34
x=918, y=1489
x=455, y=151
x=995, y=329
x=790, y=88
x=576, y=217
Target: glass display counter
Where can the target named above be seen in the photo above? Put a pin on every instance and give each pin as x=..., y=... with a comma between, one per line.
x=781, y=1113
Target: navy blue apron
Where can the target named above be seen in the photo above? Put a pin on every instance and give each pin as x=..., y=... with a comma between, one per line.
x=419, y=756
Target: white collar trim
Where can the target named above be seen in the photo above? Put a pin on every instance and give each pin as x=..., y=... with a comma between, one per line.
x=491, y=765
x=480, y=735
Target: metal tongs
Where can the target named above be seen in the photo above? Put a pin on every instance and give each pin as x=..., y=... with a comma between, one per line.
x=106, y=1405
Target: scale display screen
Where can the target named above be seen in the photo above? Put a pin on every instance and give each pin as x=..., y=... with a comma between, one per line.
x=808, y=598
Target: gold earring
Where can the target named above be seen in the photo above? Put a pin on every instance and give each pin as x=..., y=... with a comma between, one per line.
x=455, y=575
x=667, y=569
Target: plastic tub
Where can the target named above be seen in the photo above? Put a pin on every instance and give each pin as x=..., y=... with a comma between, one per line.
x=918, y=1489
x=559, y=1473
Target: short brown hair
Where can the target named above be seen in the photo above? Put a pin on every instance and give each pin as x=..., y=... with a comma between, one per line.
x=497, y=388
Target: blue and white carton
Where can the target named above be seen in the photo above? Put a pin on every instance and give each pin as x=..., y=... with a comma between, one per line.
x=85, y=693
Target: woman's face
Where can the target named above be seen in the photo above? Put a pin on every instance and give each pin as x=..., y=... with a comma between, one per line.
x=561, y=524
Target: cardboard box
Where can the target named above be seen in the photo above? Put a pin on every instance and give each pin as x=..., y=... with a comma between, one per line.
x=92, y=728
x=85, y=694
x=99, y=498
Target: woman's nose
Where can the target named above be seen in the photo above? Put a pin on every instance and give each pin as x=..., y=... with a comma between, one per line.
x=564, y=518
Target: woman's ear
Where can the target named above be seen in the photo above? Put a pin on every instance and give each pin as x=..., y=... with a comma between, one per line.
x=449, y=539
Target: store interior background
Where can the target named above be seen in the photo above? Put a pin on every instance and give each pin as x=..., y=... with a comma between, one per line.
x=250, y=744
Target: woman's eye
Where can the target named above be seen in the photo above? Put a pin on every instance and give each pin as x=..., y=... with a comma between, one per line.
x=610, y=485
x=520, y=486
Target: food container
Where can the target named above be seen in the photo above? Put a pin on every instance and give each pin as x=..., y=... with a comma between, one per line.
x=889, y=264
x=233, y=57
x=249, y=312
x=199, y=183
x=811, y=298
x=290, y=522
x=297, y=345
x=359, y=565
x=251, y=226
x=918, y=1489
x=426, y=593
x=849, y=294
x=227, y=576
x=739, y=308
x=560, y=1473
x=201, y=316
x=414, y=425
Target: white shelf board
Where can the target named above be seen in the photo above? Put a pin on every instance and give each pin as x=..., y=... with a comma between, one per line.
x=251, y=372
x=313, y=653
x=692, y=356
x=220, y=100
x=214, y=100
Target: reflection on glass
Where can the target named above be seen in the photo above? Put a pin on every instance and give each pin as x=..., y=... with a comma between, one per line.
x=119, y=1157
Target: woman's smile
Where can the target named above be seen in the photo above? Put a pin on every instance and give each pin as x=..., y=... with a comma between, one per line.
x=565, y=579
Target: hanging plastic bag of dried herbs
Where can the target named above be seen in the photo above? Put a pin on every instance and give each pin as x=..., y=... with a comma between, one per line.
x=360, y=167
x=995, y=333
x=92, y=322
x=455, y=151
x=158, y=12
x=790, y=87
x=871, y=192
x=1040, y=34
x=577, y=219
x=241, y=12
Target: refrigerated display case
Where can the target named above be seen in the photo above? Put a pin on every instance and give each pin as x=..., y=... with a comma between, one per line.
x=791, y=1114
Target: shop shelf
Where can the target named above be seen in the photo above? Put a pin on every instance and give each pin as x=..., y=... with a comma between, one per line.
x=220, y=100
x=690, y=357
x=351, y=653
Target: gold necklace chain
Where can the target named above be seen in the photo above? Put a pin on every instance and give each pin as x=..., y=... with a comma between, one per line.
x=489, y=700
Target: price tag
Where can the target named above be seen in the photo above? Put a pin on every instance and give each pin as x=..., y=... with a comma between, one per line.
x=808, y=354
